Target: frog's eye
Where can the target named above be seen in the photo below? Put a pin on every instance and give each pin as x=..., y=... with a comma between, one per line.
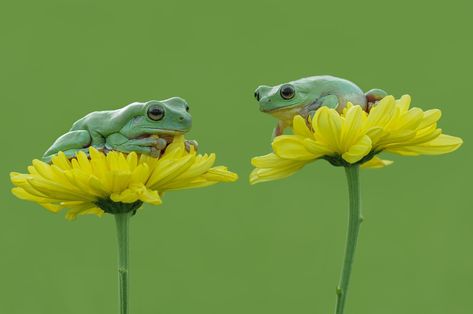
x=187, y=108
x=287, y=91
x=155, y=113
x=257, y=95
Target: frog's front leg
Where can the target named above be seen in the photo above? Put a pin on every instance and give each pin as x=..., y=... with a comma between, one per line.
x=330, y=101
x=150, y=145
x=97, y=140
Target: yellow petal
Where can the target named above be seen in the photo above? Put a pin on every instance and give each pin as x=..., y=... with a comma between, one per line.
x=376, y=163
x=52, y=207
x=270, y=161
x=56, y=190
x=119, y=180
x=291, y=147
x=409, y=121
x=299, y=125
x=430, y=117
x=72, y=213
x=126, y=196
x=201, y=164
x=24, y=195
x=357, y=151
x=403, y=103
x=132, y=159
x=182, y=185
x=381, y=113
x=220, y=174
x=317, y=149
x=443, y=144
x=84, y=162
x=168, y=170
x=352, y=127
x=151, y=197
x=61, y=161
x=140, y=174
x=327, y=125
x=259, y=175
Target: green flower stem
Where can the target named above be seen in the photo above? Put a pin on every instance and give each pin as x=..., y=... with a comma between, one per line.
x=354, y=221
x=123, y=220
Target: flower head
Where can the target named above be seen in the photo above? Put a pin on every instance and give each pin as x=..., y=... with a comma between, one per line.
x=355, y=137
x=115, y=181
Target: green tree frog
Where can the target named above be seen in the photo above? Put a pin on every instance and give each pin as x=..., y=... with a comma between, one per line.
x=139, y=127
x=304, y=96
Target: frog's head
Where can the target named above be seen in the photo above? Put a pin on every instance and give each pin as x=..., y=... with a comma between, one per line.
x=287, y=96
x=165, y=118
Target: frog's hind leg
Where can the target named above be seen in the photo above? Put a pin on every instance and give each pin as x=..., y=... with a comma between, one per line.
x=70, y=144
x=373, y=96
x=278, y=130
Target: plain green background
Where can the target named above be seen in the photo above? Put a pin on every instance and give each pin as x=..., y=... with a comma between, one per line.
x=273, y=248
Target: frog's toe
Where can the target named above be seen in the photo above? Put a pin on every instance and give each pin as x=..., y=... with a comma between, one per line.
x=191, y=143
x=160, y=143
x=154, y=152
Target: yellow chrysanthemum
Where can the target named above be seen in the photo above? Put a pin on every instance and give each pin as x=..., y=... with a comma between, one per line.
x=355, y=137
x=91, y=185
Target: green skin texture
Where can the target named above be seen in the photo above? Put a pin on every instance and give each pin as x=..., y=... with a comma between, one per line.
x=312, y=93
x=126, y=130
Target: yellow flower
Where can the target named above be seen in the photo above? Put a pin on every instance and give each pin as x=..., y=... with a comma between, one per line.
x=355, y=137
x=115, y=181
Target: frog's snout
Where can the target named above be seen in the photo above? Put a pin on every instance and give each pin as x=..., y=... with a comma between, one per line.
x=260, y=92
x=257, y=95
x=261, y=95
x=185, y=121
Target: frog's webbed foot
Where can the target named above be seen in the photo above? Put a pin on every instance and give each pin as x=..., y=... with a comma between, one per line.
x=191, y=143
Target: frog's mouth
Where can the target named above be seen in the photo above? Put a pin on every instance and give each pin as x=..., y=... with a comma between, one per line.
x=271, y=110
x=285, y=113
x=281, y=110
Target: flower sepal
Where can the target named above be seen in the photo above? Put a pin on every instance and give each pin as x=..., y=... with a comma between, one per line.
x=111, y=207
x=338, y=160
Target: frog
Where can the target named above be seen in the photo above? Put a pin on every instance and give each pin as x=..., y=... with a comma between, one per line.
x=304, y=96
x=141, y=127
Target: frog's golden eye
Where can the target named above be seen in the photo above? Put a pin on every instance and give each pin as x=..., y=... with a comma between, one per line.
x=155, y=113
x=287, y=91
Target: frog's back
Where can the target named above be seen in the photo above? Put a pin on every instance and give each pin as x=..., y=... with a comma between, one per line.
x=331, y=84
x=345, y=90
x=108, y=120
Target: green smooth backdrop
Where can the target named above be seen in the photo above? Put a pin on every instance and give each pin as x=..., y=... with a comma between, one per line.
x=273, y=248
